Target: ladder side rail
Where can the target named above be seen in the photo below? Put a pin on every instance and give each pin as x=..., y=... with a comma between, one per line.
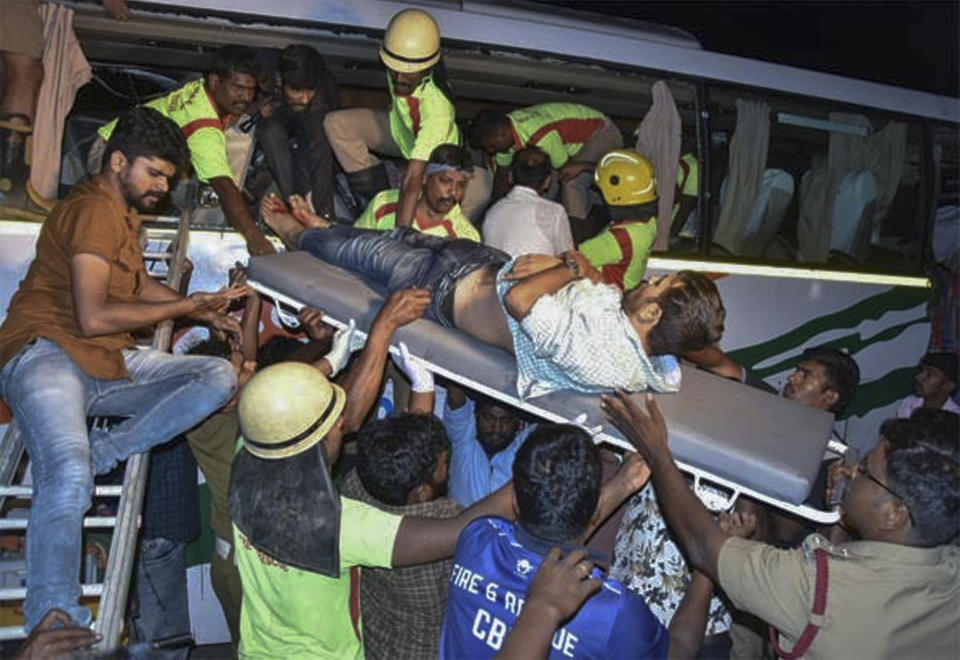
x=116, y=583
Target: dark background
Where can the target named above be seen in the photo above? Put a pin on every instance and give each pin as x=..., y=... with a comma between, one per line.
x=906, y=43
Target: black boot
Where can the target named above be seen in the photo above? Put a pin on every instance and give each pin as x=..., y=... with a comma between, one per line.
x=365, y=184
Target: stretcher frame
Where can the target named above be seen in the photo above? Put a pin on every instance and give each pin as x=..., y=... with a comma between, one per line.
x=705, y=484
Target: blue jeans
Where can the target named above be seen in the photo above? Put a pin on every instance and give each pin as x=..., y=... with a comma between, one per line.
x=403, y=258
x=51, y=398
x=162, y=594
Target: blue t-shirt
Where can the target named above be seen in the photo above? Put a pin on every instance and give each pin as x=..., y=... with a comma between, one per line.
x=491, y=573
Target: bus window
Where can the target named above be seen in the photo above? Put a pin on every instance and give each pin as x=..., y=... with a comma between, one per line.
x=797, y=181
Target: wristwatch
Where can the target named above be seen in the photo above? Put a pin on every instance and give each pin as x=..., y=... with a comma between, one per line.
x=571, y=263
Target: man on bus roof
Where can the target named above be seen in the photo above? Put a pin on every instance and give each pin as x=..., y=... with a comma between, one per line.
x=438, y=210
x=573, y=135
x=204, y=109
x=421, y=116
x=629, y=188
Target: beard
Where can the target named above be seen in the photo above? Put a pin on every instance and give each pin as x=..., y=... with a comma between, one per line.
x=495, y=442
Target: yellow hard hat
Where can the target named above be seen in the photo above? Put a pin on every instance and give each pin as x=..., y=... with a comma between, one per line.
x=412, y=42
x=288, y=408
x=625, y=178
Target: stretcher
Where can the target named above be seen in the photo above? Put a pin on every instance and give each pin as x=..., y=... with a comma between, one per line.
x=734, y=440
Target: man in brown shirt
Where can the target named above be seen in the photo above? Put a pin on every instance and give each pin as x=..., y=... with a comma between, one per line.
x=894, y=593
x=66, y=352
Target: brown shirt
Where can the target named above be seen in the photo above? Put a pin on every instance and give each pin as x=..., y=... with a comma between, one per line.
x=93, y=219
x=884, y=600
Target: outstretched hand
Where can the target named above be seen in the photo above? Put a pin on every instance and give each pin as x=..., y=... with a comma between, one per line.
x=421, y=378
x=739, y=524
x=46, y=641
x=647, y=431
x=404, y=306
x=561, y=586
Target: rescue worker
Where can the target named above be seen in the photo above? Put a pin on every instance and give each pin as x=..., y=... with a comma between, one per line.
x=204, y=109
x=573, y=135
x=421, y=116
x=685, y=197
x=438, y=210
x=299, y=544
x=629, y=189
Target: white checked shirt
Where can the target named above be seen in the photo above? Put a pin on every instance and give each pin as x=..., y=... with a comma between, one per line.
x=579, y=338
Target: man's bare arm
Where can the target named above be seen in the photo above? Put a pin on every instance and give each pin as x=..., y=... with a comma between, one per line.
x=99, y=316
x=698, y=534
x=421, y=540
x=231, y=201
x=410, y=189
x=525, y=293
x=362, y=380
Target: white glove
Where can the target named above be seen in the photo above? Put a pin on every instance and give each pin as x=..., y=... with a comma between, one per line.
x=341, y=348
x=421, y=378
x=581, y=421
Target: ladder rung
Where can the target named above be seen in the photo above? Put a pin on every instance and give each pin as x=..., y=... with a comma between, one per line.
x=19, y=593
x=164, y=256
x=8, y=633
x=27, y=491
x=94, y=522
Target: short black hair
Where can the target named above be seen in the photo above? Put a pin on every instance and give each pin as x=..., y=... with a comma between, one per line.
x=143, y=132
x=923, y=466
x=212, y=347
x=451, y=154
x=692, y=316
x=234, y=59
x=841, y=370
x=276, y=349
x=301, y=66
x=530, y=167
x=556, y=479
x=485, y=124
x=395, y=455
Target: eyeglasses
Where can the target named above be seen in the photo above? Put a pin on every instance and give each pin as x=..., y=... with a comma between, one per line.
x=864, y=471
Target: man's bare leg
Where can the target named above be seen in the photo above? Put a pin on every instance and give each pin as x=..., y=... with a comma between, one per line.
x=23, y=76
x=289, y=223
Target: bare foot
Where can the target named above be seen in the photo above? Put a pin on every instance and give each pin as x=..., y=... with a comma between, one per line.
x=303, y=212
x=277, y=216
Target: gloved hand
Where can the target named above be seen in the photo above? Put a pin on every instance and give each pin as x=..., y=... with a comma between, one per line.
x=421, y=379
x=581, y=421
x=342, y=347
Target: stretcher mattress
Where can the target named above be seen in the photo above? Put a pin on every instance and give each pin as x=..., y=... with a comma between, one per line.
x=733, y=435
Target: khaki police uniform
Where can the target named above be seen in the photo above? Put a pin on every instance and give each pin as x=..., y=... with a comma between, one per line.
x=884, y=600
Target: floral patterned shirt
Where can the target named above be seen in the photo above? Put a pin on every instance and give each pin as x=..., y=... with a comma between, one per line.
x=648, y=561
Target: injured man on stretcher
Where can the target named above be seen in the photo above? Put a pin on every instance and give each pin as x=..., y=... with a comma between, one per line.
x=566, y=328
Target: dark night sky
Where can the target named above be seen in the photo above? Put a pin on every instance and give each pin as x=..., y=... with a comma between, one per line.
x=907, y=43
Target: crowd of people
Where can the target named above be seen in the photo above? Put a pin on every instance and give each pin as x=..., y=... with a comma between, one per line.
x=463, y=529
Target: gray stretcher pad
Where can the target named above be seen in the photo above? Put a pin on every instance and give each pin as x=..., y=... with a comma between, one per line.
x=738, y=434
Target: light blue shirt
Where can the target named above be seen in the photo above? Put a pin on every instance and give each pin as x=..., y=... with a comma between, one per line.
x=579, y=338
x=474, y=475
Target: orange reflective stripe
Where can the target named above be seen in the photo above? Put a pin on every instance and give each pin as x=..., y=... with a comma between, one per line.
x=197, y=124
x=571, y=131
x=386, y=209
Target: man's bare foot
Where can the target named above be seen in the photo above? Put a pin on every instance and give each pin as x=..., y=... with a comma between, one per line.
x=303, y=212
x=277, y=216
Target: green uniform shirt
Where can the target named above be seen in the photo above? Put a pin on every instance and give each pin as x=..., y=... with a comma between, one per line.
x=423, y=120
x=193, y=111
x=291, y=613
x=560, y=129
x=621, y=250
x=688, y=180
x=381, y=213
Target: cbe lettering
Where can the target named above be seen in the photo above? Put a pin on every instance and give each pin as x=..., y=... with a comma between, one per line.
x=490, y=630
